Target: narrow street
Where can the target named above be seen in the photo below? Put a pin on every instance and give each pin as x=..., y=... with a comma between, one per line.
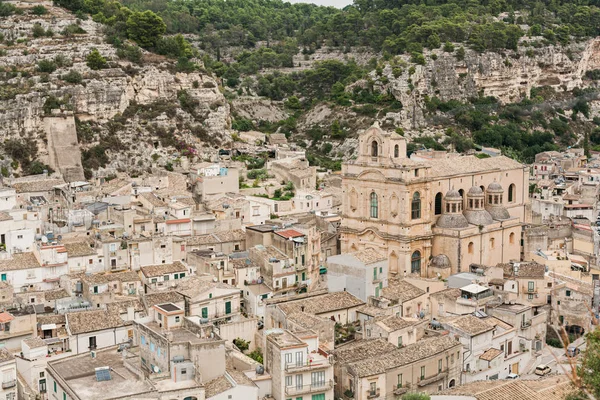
x=550, y=356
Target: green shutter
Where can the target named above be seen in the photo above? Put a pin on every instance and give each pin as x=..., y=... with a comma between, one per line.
x=227, y=307
x=204, y=312
x=54, y=386
x=374, y=273
x=3, y=277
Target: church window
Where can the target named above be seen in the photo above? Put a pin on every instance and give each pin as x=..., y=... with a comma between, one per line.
x=511, y=193
x=416, y=172
x=511, y=238
x=396, y=151
x=471, y=247
x=415, y=262
x=492, y=243
x=374, y=205
x=490, y=197
x=470, y=203
x=438, y=203
x=374, y=148
x=416, y=206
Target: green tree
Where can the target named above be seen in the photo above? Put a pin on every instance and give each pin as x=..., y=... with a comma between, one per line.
x=416, y=396
x=460, y=53
x=145, y=28
x=95, y=60
x=448, y=47
x=39, y=10
x=47, y=66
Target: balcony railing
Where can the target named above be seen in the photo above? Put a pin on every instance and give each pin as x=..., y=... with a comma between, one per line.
x=525, y=324
x=373, y=394
x=9, y=384
x=426, y=381
x=314, y=364
x=305, y=389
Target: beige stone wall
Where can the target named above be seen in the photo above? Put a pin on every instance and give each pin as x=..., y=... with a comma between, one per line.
x=394, y=232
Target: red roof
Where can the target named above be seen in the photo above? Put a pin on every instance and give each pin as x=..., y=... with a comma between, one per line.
x=289, y=233
x=178, y=221
x=5, y=317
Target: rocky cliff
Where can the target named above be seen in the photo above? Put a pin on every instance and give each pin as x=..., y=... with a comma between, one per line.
x=509, y=77
x=101, y=94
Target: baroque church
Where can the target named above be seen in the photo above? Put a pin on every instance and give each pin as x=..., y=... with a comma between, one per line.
x=434, y=217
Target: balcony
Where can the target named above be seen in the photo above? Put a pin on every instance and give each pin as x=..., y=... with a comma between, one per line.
x=373, y=394
x=525, y=324
x=399, y=391
x=315, y=363
x=307, y=389
x=439, y=376
x=9, y=384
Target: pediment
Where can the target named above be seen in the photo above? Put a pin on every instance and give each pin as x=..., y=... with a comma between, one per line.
x=371, y=175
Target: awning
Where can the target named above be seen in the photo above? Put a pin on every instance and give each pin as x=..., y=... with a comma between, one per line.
x=48, y=327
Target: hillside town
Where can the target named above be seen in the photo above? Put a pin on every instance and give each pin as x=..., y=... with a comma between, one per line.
x=440, y=273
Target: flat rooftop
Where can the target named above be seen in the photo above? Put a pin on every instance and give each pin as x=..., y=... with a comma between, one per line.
x=285, y=339
x=79, y=372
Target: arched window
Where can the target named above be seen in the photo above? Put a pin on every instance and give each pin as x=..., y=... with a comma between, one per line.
x=415, y=207
x=462, y=197
x=471, y=247
x=415, y=262
x=374, y=148
x=452, y=383
x=511, y=238
x=374, y=205
x=492, y=243
x=396, y=151
x=438, y=203
x=511, y=193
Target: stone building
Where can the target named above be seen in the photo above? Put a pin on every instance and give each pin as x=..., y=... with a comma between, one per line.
x=466, y=208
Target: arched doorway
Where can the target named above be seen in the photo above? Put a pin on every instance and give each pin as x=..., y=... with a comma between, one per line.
x=415, y=263
x=452, y=383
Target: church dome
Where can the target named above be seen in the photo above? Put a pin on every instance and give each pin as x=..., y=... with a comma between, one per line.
x=452, y=221
x=478, y=217
x=440, y=261
x=475, y=191
x=498, y=213
x=495, y=187
x=453, y=195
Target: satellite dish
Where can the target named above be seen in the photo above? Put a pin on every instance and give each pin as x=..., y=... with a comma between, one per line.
x=215, y=279
x=156, y=369
x=44, y=239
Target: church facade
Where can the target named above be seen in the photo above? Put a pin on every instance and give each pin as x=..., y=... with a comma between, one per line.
x=435, y=217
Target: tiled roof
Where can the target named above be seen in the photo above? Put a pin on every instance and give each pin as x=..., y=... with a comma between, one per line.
x=400, y=291
x=450, y=294
x=322, y=303
x=289, y=233
x=151, y=271
x=369, y=256
x=19, y=261
x=233, y=235
x=530, y=270
x=469, y=324
x=6, y=317
x=104, y=278
x=5, y=355
x=545, y=388
x=34, y=342
x=361, y=349
x=153, y=200
x=419, y=351
x=79, y=249
x=217, y=386
x=393, y=323
x=490, y=354
x=91, y=321
x=56, y=294
x=162, y=297
x=470, y=165
x=40, y=185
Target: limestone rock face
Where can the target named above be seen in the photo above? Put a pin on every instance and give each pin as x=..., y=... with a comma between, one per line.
x=508, y=77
